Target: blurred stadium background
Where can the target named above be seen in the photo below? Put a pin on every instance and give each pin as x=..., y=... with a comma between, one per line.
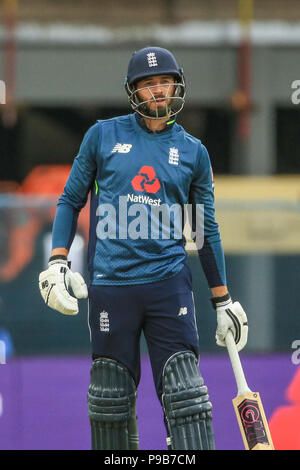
x=63, y=64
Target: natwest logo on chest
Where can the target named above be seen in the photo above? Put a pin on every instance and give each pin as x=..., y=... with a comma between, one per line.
x=146, y=180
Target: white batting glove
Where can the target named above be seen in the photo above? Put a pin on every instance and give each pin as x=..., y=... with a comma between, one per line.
x=230, y=316
x=55, y=282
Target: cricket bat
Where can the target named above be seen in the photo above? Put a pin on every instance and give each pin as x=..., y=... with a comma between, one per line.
x=248, y=406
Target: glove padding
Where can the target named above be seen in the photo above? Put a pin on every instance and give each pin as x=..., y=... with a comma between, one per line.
x=231, y=316
x=54, y=284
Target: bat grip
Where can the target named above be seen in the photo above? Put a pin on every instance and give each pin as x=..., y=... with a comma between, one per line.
x=241, y=382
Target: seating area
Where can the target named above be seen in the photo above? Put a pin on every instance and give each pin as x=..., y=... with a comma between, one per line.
x=119, y=13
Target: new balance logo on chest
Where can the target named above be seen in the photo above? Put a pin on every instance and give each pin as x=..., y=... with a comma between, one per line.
x=121, y=148
x=173, y=156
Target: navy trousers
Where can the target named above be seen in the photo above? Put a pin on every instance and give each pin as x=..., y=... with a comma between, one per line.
x=163, y=310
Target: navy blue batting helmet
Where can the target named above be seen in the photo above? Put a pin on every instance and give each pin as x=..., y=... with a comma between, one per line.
x=148, y=62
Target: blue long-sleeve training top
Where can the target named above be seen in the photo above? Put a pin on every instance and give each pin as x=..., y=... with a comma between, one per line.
x=138, y=181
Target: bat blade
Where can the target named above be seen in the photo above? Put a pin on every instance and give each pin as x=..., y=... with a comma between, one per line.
x=253, y=422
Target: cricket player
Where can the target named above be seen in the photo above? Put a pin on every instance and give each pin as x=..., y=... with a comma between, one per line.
x=136, y=167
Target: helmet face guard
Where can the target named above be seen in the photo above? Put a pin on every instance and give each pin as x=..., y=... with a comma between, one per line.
x=173, y=103
x=146, y=63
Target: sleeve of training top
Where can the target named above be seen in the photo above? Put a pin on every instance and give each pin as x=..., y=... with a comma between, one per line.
x=78, y=185
x=211, y=253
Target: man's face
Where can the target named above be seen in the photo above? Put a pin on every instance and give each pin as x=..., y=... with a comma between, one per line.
x=156, y=91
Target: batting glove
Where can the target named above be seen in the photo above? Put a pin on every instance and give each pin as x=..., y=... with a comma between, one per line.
x=55, y=282
x=230, y=316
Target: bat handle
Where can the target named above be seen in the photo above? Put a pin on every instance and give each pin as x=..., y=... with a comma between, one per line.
x=241, y=382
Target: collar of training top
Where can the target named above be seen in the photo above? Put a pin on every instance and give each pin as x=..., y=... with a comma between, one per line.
x=140, y=120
